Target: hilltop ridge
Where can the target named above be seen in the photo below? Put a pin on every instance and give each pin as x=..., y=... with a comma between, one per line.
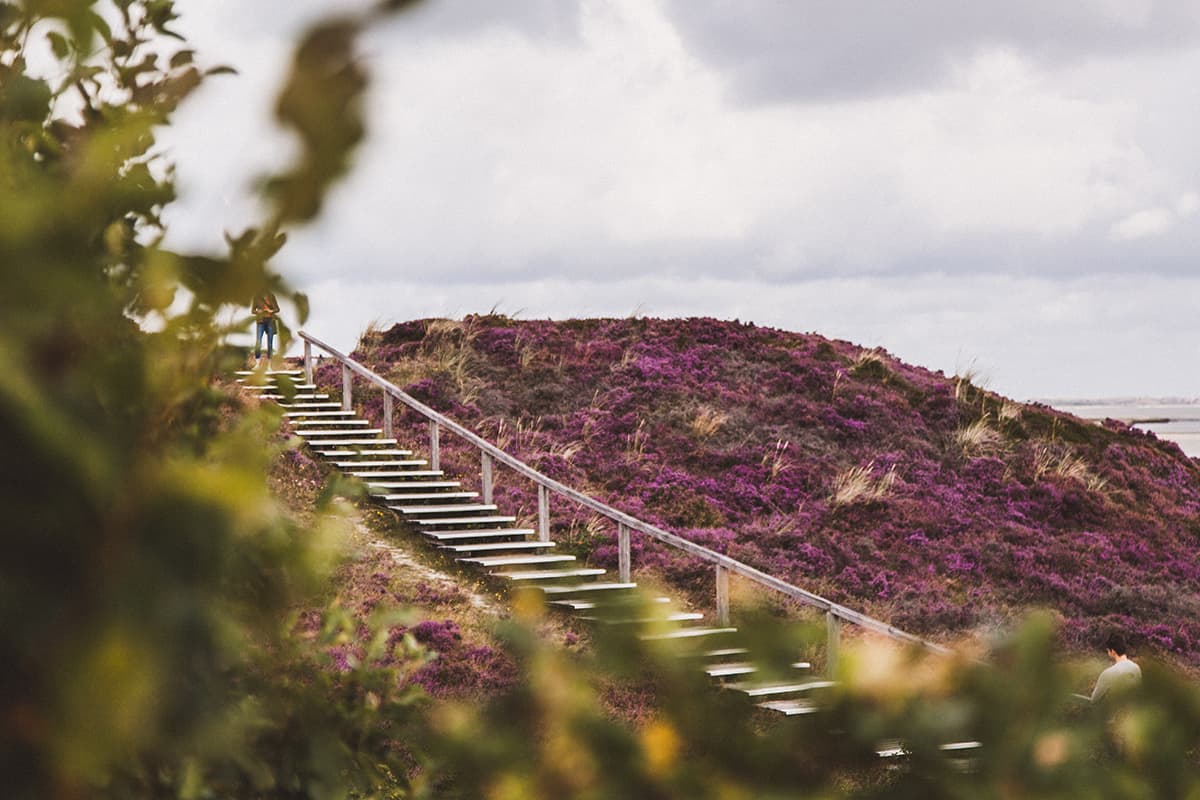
x=918, y=497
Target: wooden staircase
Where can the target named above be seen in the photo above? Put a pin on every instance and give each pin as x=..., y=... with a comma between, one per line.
x=480, y=535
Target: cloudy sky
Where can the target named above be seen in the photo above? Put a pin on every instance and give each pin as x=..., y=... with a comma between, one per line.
x=1010, y=187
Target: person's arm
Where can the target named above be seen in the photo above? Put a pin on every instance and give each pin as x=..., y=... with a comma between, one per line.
x=1103, y=684
x=272, y=305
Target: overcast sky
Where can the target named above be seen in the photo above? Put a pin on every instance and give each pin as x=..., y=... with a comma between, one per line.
x=1008, y=187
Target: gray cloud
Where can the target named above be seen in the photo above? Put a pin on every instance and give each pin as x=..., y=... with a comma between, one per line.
x=811, y=50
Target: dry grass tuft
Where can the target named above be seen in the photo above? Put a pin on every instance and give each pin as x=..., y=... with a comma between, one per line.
x=862, y=485
x=978, y=438
x=1066, y=465
x=1009, y=411
x=776, y=461
x=707, y=422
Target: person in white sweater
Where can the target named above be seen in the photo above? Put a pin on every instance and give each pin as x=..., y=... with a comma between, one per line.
x=1123, y=675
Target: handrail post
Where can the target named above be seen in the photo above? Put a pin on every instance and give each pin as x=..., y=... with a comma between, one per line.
x=347, y=388
x=485, y=476
x=308, y=362
x=722, y=595
x=387, y=414
x=624, y=563
x=435, y=447
x=543, y=514
x=833, y=646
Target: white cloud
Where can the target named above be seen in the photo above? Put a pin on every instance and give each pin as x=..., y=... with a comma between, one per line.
x=1142, y=224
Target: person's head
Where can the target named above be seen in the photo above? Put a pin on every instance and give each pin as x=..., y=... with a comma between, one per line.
x=1115, y=645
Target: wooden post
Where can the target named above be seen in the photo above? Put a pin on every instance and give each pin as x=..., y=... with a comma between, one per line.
x=543, y=514
x=308, y=364
x=722, y=595
x=485, y=476
x=435, y=447
x=387, y=414
x=833, y=628
x=347, y=388
x=624, y=563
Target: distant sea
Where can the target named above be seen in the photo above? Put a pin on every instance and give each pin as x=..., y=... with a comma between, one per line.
x=1177, y=420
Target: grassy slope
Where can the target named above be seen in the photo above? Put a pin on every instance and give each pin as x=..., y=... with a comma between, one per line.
x=920, y=498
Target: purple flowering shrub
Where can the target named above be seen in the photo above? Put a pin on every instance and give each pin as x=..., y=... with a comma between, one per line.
x=733, y=435
x=459, y=665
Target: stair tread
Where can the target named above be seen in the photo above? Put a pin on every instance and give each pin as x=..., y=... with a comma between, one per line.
x=344, y=442
x=675, y=616
x=518, y=560
x=791, y=707
x=481, y=533
x=465, y=520
x=427, y=496
x=335, y=432
x=417, y=485
x=689, y=633
x=587, y=605
x=487, y=547
x=379, y=463
x=459, y=508
x=586, y=587
x=767, y=689
x=383, y=451
x=533, y=575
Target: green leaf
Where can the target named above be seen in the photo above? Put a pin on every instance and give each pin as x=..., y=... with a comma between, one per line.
x=182, y=58
x=59, y=44
x=221, y=70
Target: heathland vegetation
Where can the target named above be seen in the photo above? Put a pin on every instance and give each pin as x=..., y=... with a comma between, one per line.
x=922, y=498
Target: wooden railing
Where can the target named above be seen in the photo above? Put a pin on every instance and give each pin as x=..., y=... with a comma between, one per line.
x=835, y=614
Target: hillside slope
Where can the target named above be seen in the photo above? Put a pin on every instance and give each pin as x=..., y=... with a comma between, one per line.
x=922, y=499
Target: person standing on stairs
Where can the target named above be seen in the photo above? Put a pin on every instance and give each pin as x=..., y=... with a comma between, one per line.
x=265, y=309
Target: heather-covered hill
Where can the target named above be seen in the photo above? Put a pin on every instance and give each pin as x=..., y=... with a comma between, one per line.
x=917, y=497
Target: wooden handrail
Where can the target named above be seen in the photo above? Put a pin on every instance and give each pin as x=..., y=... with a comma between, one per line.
x=832, y=609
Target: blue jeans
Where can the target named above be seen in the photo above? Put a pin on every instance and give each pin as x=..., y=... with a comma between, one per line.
x=264, y=327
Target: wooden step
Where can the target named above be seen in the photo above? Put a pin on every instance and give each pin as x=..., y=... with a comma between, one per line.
x=423, y=473
x=478, y=533
x=416, y=486
x=269, y=372
x=792, y=708
x=488, y=547
x=389, y=473
x=517, y=560
x=494, y=520
x=769, y=689
x=351, y=465
x=366, y=456
x=588, y=605
x=688, y=633
x=584, y=588
x=335, y=432
x=548, y=574
x=430, y=496
x=308, y=424
x=318, y=414
x=310, y=406
x=458, y=508
x=294, y=398
x=674, y=616
x=349, y=442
